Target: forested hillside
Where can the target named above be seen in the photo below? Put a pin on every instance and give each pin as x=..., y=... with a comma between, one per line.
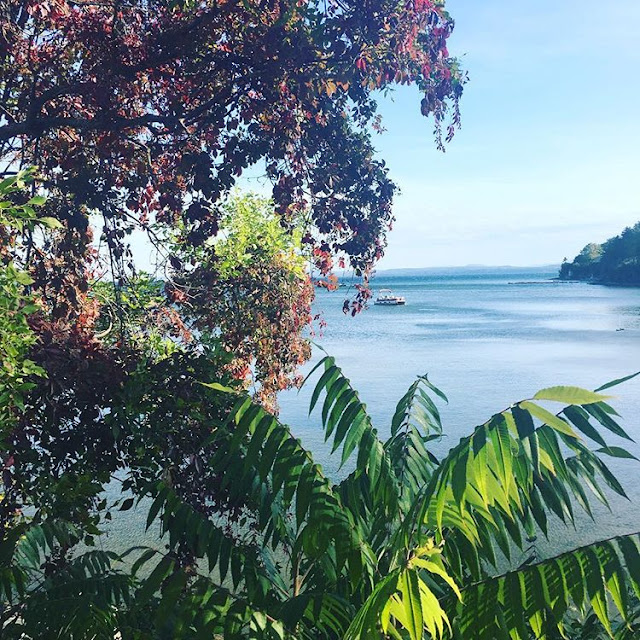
x=616, y=261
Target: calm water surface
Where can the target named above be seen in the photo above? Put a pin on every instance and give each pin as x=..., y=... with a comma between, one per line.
x=487, y=338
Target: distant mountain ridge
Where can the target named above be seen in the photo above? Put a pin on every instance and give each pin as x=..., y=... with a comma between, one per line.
x=616, y=261
x=471, y=268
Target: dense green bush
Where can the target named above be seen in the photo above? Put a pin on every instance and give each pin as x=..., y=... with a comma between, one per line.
x=408, y=545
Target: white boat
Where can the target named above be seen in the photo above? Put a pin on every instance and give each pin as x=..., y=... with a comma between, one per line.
x=386, y=297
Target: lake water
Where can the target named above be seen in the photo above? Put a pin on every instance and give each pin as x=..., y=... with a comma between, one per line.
x=487, y=338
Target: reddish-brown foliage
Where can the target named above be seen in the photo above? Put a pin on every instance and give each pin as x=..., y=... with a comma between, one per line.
x=142, y=115
x=148, y=111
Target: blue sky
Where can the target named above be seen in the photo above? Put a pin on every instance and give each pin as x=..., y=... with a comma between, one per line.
x=548, y=157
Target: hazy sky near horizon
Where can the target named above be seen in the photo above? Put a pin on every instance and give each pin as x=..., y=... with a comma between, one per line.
x=548, y=156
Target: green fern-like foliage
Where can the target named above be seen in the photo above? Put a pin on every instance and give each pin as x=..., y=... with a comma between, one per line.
x=408, y=546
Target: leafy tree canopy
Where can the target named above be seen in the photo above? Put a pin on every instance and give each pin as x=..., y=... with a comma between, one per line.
x=250, y=288
x=142, y=115
x=149, y=111
x=616, y=261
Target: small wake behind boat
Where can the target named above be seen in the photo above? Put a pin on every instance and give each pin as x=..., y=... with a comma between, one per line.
x=386, y=297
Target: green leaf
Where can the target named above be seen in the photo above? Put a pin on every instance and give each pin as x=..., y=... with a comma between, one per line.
x=23, y=278
x=524, y=422
x=152, y=584
x=615, y=383
x=607, y=421
x=365, y=622
x=356, y=430
x=127, y=504
x=216, y=386
x=347, y=419
x=335, y=389
x=569, y=395
x=50, y=223
x=325, y=379
x=144, y=557
x=580, y=419
x=459, y=479
x=410, y=589
x=549, y=419
x=435, y=389
x=156, y=505
x=616, y=452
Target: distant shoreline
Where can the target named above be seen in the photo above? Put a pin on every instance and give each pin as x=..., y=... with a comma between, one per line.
x=549, y=281
x=623, y=285
x=466, y=269
x=604, y=283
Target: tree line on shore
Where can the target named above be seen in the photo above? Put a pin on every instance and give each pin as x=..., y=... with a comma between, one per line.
x=615, y=261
